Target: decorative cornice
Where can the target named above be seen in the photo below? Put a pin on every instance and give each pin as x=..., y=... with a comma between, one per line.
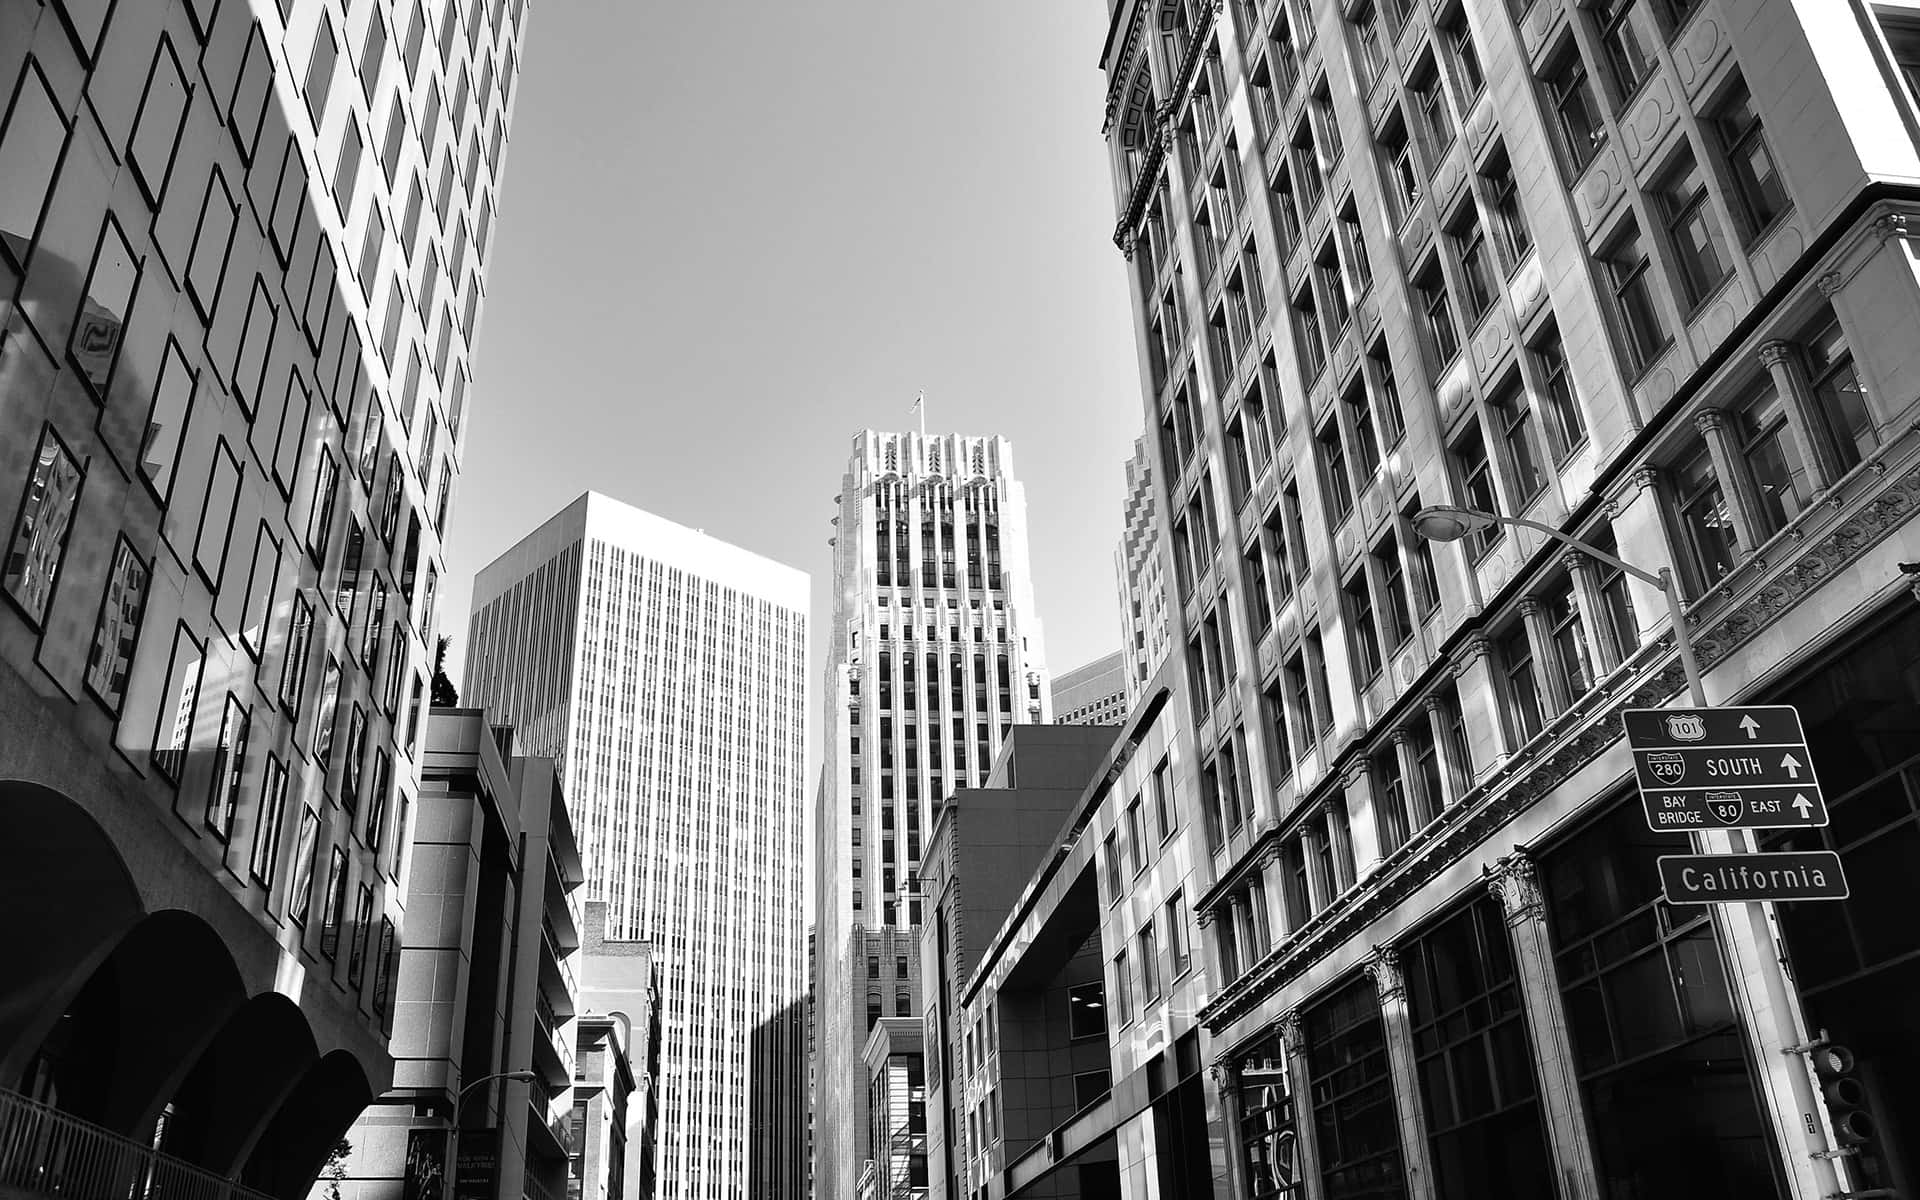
x=1516, y=885
x=1203, y=917
x=1384, y=965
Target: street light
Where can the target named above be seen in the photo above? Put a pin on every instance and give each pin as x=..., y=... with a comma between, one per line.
x=1450, y=523
x=1447, y=523
x=459, y=1105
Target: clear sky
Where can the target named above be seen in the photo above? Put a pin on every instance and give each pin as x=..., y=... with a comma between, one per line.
x=732, y=235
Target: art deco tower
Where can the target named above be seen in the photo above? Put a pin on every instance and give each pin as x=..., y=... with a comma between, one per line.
x=935, y=652
x=667, y=670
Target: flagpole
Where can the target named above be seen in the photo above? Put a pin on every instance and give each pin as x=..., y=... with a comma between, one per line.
x=920, y=406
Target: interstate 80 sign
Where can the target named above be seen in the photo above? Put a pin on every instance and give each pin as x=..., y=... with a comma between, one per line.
x=1724, y=768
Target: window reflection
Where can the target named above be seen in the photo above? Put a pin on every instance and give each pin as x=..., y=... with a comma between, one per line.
x=40, y=532
x=94, y=345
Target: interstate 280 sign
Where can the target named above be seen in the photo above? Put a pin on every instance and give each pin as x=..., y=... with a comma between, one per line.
x=1724, y=768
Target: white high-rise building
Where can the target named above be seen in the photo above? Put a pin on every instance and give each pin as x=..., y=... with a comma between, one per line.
x=667, y=671
x=935, y=652
x=1136, y=570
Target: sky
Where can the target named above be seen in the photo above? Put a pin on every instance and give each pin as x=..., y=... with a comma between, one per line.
x=733, y=235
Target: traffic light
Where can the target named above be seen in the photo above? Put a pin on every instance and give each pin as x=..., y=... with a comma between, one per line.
x=1846, y=1096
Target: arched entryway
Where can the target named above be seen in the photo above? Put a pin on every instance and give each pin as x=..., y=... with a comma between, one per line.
x=321, y=1107
x=229, y=1097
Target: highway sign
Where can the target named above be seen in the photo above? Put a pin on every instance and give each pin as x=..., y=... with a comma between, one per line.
x=1724, y=768
x=1740, y=878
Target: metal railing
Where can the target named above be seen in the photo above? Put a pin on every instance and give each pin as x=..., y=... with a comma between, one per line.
x=46, y=1152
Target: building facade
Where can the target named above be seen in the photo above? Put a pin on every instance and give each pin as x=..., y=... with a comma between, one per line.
x=1095, y=694
x=487, y=982
x=897, y=1099
x=1138, y=569
x=620, y=982
x=935, y=652
x=667, y=671
x=1641, y=271
x=241, y=254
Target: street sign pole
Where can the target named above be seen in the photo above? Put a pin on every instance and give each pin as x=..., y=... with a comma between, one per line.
x=1757, y=921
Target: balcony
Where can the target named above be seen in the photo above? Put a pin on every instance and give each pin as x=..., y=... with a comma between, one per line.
x=45, y=1152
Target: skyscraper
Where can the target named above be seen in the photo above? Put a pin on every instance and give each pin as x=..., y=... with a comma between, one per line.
x=667, y=670
x=241, y=254
x=1137, y=572
x=1637, y=273
x=935, y=653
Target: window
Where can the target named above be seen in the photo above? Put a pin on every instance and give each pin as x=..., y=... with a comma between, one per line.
x=1371, y=58
x=1616, y=604
x=156, y=128
x=380, y=785
x=1313, y=343
x=362, y=923
x=1139, y=849
x=1627, y=277
x=116, y=631
x=1509, y=220
x=1386, y=395
x=32, y=135
x=1650, y=1017
x=229, y=766
x=293, y=671
x=1166, y=816
x=1257, y=593
x=1396, y=618
x=371, y=52
x=94, y=345
x=1333, y=465
x=1705, y=517
x=1756, y=183
x=1086, y=1011
x=212, y=238
x=1573, y=658
x=179, y=702
x=1628, y=59
x=1334, y=287
x=1514, y=418
x=1403, y=174
x=1476, y=265
x=216, y=516
x=1522, y=685
x=1146, y=946
x=1468, y=76
x=1841, y=395
x=1566, y=428
x=373, y=241
x=324, y=721
x=1355, y=246
x=1179, y=940
x=1122, y=992
x=263, y=575
x=263, y=863
x=1425, y=583
x=1366, y=446
x=1438, y=310
x=1430, y=101
x=1356, y=1128
x=326, y=490
x=1472, y=1055
x=248, y=104
x=320, y=70
x=1773, y=458
x=1683, y=203
x=1366, y=638
x=1476, y=486
x=1571, y=95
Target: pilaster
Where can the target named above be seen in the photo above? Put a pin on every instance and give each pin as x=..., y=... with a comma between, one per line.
x=1593, y=612
x=1480, y=706
x=1363, y=817
x=1292, y=1028
x=1641, y=537
x=1546, y=667
x=1384, y=966
x=1421, y=807
x=1736, y=485
x=1515, y=884
x=1453, y=775
x=1809, y=429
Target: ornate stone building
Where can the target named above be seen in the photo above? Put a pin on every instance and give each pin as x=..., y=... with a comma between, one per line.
x=1641, y=271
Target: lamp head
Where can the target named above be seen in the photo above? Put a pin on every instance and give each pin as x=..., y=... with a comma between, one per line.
x=1449, y=522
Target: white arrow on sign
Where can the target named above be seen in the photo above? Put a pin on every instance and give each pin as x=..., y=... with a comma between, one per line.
x=1792, y=765
x=1803, y=806
x=1750, y=725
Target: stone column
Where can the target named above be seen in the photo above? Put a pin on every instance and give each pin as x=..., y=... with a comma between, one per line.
x=1455, y=777
x=1513, y=882
x=1363, y=818
x=1546, y=664
x=1480, y=706
x=1811, y=429
x=1272, y=879
x=1395, y=1021
x=1293, y=1036
x=1735, y=484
